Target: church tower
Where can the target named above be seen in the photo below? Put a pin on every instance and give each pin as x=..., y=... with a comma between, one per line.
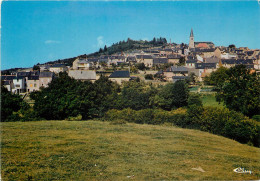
x=191, y=43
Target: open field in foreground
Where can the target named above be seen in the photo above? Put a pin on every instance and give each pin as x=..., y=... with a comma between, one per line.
x=93, y=150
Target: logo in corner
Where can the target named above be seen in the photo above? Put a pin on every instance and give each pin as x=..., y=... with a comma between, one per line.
x=242, y=170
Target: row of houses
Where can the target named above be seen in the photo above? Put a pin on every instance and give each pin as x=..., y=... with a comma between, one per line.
x=27, y=81
x=32, y=81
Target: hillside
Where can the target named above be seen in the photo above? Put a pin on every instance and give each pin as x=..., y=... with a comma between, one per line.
x=119, y=47
x=93, y=150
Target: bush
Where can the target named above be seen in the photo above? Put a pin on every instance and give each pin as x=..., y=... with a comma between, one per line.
x=220, y=121
x=179, y=117
x=76, y=118
x=112, y=115
x=148, y=77
x=144, y=116
x=230, y=124
x=256, y=118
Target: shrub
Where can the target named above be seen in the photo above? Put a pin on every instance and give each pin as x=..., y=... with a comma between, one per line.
x=256, y=118
x=112, y=115
x=144, y=116
x=230, y=124
x=179, y=117
x=148, y=77
x=76, y=118
x=220, y=121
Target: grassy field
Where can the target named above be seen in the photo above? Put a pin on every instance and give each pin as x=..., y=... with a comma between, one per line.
x=94, y=150
x=210, y=100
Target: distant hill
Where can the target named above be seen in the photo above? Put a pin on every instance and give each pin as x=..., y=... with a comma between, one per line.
x=119, y=47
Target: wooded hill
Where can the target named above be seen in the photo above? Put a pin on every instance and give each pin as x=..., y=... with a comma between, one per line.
x=119, y=47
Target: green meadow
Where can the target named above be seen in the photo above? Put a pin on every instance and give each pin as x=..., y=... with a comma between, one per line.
x=95, y=150
x=210, y=100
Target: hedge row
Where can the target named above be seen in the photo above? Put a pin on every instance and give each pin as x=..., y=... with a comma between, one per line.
x=220, y=121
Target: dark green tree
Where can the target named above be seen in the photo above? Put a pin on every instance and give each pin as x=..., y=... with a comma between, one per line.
x=148, y=77
x=133, y=96
x=36, y=68
x=182, y=61
x=173, y=96
x=217, y=77
x=10, y=103
x=140, y=66
x=105, y=48
x=240, y=91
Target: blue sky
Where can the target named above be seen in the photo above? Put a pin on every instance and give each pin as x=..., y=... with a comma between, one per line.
x=36, y=32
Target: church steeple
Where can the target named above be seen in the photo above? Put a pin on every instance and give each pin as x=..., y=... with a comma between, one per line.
x=191, y=33
x=191, y=43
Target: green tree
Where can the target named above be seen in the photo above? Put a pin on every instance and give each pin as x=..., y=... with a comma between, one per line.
x=241, y=90
x=59, y=100
x=173, y=96
x=195, y=110
x=10, y=105
x=192, y=78
x=182, y=61
x=134, y=96
x=217, y=77
x=105, y=48
x=36, y=68
x=148, y=77
x=140, y=66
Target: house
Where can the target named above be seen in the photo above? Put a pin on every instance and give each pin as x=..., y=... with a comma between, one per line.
x=45, y=78
x=226, y=55
x=166, y=51
x=33, y=83
x=146, y=59
x=256, y=62
x=205, y=68
x=131, y=59
x=249, y=63
x=116, y=59
x=205, y=53
x=19, y=85
x=26, y=76
x=176, y=78
x=154, y=52
x=57, y=68
x=120, y=76
x=204, y=45
x=7, y=81
x=103, y=60
x=212, y=60
x=217, y=53
x=83, y=75
x=44, y=67
x=190, y=63
x=173, y=58
x=160, y=61
x=175, y=71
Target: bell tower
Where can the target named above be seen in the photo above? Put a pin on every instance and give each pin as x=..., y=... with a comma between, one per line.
x=191, y=43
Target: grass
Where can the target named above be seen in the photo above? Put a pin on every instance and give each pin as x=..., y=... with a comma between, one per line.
x=210, y=100
x=93, y=150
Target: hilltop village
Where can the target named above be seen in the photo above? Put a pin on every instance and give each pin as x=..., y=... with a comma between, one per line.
x=158, y=64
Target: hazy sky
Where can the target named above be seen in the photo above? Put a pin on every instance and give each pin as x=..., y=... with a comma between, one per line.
x=37, y=32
